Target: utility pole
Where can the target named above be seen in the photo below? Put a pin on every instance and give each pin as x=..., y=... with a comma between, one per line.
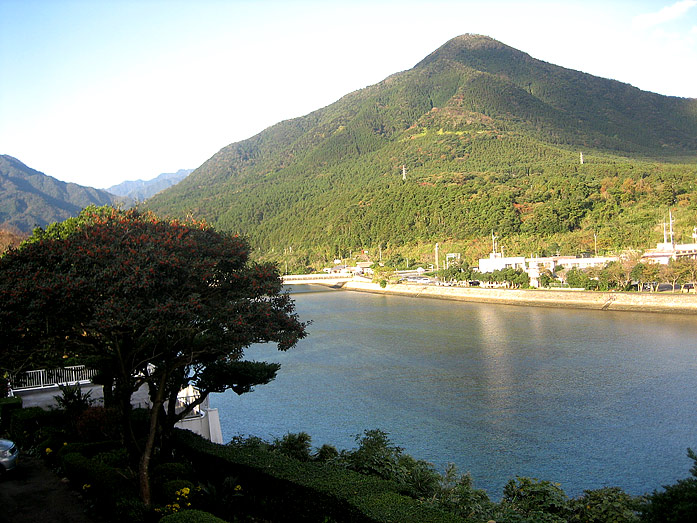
x=581, y=157
x=436, y=255
x=595, y=241
x=404, y=173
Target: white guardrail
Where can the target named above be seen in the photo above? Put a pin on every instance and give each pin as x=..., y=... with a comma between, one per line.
x=44, y=378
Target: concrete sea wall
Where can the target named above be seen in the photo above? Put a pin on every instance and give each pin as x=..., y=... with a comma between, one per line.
x=614, y=301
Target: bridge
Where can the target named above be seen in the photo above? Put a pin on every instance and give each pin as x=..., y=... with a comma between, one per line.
x=323, y=279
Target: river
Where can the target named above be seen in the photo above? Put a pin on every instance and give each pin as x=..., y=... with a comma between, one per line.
x=583, y=398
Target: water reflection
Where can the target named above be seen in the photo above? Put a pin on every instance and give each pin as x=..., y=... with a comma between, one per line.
x=585, y=398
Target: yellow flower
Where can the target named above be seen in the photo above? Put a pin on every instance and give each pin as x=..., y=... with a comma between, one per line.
x=238, y=487
x=65, y=443
x=86, y=486
x=48, y=450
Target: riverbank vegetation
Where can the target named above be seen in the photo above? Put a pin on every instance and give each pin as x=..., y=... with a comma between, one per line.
x=287, y=479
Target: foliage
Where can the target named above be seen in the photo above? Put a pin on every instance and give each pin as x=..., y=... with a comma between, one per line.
x=191, y=516
x=309, y=490
x=105, y=484
x=296, y=446
x=676, y=502
x=605, y=505
x=458, y=495
x=9, y=238
x=7, y=407
x=31, y=425
x=73, y=402
x=535, y=499
x=147, y=302
x=97, y=424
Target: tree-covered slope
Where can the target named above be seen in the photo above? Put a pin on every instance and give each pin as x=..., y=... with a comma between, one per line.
x=490, y=138
x=29, y=198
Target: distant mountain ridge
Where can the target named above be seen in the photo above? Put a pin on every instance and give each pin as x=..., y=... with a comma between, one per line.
x=140, y=190
x=29, y=198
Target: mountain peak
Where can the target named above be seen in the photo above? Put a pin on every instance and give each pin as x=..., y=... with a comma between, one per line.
x=469, y=49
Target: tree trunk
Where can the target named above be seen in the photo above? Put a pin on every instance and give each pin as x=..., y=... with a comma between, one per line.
x=144, y=469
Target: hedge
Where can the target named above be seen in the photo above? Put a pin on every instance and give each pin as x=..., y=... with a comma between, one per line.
x=32, y=425
x=101, y=482
x=191, y=516
x=274, y=484
x=7, y=407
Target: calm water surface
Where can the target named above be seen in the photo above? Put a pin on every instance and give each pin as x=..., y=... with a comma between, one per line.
x=584, y=398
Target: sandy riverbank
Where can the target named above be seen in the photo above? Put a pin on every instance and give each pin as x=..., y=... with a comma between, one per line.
x=614, y=301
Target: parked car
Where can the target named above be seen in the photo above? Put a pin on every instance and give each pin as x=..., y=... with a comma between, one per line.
x=8, y=455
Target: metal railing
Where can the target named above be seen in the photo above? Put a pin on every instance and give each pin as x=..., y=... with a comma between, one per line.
x=44, y=378
x=184, y=401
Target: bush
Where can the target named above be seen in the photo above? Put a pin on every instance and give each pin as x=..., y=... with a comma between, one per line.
x=296, y=446
x=163, y=472
x=375, y=455
x=192, y=516
x=605, y=505
x=106, y=485
x=117, y=458
x=677, y=502
x=29, y=427
x=171, y=491
x=7, y=407
x=310, y=491
x=326, y=453
x=538, y=500
x=97, y=423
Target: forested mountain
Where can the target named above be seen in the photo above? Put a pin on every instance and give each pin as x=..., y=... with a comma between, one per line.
x=490, y=139
x=140, y=190
x=29, y=198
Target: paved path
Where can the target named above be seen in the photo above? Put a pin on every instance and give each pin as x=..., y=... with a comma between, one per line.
x=33, y=493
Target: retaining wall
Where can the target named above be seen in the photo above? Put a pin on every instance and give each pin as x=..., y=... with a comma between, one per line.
x=615, y=301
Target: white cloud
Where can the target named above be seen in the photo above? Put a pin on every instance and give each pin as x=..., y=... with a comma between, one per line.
x=667, y=14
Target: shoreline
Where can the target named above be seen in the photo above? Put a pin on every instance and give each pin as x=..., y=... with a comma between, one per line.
x=593, y=300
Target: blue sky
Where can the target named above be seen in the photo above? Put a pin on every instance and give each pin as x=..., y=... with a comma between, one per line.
x=101, y=91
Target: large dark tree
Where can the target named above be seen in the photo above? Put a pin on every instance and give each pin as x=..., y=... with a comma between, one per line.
x=148, y=302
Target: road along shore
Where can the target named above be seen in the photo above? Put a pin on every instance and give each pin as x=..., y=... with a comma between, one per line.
x=614, y=301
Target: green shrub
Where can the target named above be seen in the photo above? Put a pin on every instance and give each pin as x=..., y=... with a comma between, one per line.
x=605, y=505
x=535, y=499
x=192, y=516
x=170, y=491
x=117, y=458
x=326, y=453
x=677, y=502
x=458, y=495
x=7, y=407
x=28, y=427
x=90, y=449
x=375, y=455
x=106, y=485
x=163, y=472
x=310, y=491
x=132, y=510
x=96, y=424
x=296, y=446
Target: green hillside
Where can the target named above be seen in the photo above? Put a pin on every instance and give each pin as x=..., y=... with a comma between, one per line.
x=491, y=141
